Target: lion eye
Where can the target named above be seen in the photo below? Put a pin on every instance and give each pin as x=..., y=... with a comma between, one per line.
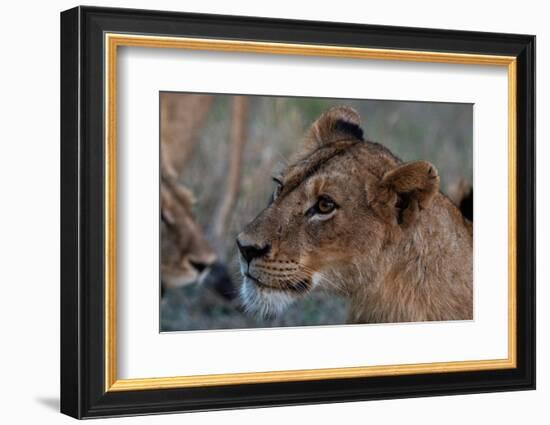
x=324, y=206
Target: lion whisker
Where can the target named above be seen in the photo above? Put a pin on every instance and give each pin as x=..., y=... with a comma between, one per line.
x=325, y=279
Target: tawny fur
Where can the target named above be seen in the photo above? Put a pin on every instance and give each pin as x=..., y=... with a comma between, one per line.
x=396, y=247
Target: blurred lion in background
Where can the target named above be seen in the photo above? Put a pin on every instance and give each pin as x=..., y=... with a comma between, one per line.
x=185, y=252
x=186, y=256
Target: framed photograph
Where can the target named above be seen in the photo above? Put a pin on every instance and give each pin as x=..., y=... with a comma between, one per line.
x=261, y=212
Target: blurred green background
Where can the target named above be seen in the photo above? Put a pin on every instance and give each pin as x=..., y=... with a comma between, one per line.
x=441, y=133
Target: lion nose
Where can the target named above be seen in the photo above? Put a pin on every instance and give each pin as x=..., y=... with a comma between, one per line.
x=198, y=265
x=249, y=251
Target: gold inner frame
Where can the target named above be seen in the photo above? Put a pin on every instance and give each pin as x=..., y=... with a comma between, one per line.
x=113, y=41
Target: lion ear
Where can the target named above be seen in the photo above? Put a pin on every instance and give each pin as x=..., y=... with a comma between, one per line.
x=414, y=186
x=338, y=123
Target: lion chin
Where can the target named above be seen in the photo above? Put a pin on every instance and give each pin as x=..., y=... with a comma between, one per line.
x=263, y=302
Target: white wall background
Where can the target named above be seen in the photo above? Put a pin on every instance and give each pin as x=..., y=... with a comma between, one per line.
x=29, y=209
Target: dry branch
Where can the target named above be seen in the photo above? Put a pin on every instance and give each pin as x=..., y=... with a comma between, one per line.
x=239, y=121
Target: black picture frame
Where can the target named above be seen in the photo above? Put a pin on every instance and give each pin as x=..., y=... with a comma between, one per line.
x=83, y=392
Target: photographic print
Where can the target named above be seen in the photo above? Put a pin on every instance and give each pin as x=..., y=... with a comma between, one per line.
x=301, y=211
x=264, y=186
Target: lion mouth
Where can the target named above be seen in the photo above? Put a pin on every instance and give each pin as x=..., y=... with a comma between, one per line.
x=259, y=282
x=300, y=286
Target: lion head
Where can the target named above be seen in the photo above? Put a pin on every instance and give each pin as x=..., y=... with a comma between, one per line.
x=343, y=213
x=185, y=253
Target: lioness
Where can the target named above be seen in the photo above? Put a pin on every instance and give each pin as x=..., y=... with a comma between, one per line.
x=349, y=216
x=185, y=253
x=186, y=256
